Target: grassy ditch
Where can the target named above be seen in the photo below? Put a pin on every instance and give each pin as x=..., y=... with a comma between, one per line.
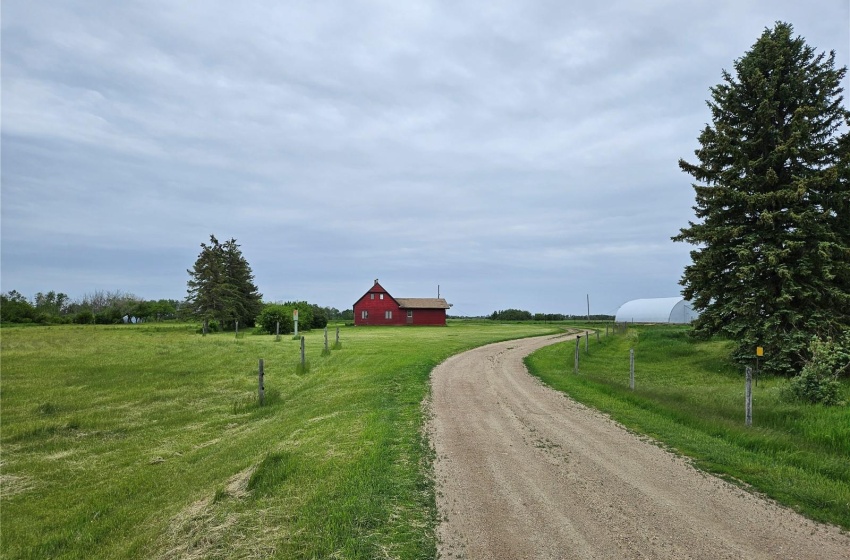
x=149, y=442
x=690, y=397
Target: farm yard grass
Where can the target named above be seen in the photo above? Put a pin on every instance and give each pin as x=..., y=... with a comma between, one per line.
x=690, y=397
x=147, y=441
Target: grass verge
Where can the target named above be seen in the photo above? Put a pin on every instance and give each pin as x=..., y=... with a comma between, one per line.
x=690, y=397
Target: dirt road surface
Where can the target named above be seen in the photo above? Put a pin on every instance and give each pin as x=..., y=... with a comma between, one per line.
x=525, y=472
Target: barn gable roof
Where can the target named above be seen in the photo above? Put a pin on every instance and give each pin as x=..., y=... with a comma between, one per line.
x=376, y=289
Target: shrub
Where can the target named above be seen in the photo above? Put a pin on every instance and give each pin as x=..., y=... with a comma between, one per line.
x=320, y=317
x=84, y=317
x=109, y=316
x=305, y=314
x=271, y=314
x=818, y=380
x=14, y=308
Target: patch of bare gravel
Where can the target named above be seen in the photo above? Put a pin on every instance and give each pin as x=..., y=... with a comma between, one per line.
x=522, y=471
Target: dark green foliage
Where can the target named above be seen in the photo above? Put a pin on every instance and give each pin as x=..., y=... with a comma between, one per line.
x=832, y=355
x=14, y=308
x=211, y=326
x=51, y=303
x=818, y=381
x=522, y=315
x=305, y=314
x=511, y=315
x=109, y=316
x=274, y=313
x=320, y=317
x=772, y=267
x=84, y=317
x=221, y=285
x=814, y=385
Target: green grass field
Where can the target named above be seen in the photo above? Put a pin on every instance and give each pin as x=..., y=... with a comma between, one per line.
x=689, y=396
x=147, y=442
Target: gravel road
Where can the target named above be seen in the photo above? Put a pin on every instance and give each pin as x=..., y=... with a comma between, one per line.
x=525, y=472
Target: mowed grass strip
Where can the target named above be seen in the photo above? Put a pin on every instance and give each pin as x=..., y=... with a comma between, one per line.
x=148, y=442
x=690, y=397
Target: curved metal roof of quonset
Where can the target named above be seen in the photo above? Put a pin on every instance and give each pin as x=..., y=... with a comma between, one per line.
x=652, y=310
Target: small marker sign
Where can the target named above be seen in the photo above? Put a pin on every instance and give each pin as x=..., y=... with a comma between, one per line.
x=759, y=351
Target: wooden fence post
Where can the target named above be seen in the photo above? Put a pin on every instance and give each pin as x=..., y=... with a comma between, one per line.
x=237, y=329
x=748, y=398
x=586, y=340
x=303, y=361
x=260, y=385
x=277, y=331
x=632, y=369
x=337, y=336
x=578, y=340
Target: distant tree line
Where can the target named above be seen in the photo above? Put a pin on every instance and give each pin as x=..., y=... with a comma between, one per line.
x=99, y=307
x=521, y=315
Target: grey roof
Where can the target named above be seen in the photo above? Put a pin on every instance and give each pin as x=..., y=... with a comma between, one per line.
x=422, y=303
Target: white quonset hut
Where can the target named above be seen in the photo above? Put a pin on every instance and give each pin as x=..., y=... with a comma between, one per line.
x=657, y=310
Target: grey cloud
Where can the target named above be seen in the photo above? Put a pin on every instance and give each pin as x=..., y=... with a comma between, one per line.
x=514, y=152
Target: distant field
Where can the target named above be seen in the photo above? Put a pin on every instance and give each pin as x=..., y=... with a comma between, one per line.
x=690, y=397
x=147, y=442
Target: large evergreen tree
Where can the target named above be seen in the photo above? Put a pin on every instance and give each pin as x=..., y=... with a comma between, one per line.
x=221, y=285
x=772, y=263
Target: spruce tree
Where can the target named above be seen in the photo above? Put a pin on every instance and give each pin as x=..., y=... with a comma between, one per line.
x=248, y=302
x=772, y=263
x=221, y=285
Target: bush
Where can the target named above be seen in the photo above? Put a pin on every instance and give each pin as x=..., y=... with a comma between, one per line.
x=305, y=314
x=109, y=316
x=271, y=314
x=818, y=380
x=84, y=317
x=320, y=317
x=813, y=387
x=14, y=308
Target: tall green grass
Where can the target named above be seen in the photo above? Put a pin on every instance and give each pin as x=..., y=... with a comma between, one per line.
x=148, y=442
x=689, y=396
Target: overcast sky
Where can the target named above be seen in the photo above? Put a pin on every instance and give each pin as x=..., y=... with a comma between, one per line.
x=519, y=154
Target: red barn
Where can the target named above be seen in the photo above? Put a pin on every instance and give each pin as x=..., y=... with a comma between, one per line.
x=378, y=307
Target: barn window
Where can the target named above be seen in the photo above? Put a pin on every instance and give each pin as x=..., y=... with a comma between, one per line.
x=388, y=315
x=364, y=314
x=382, y=296
x=410, y=314
x=371, y=296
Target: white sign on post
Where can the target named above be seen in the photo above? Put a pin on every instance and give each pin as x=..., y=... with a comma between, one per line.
x=295, y=320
